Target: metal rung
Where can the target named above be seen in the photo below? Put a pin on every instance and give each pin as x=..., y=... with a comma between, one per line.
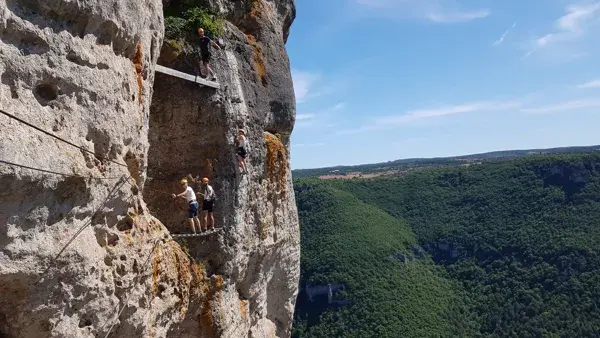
x=201, y=234
x=189, y=77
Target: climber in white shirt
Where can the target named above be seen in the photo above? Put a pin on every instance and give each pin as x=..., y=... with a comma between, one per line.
x=208, y=204
x=190, y=196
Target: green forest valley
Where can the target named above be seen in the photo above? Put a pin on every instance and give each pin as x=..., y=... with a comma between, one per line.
x=505, y=248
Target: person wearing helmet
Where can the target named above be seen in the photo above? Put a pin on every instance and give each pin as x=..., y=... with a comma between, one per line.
x=190, y=196
x=205, y=43
x=242, y=149
x=208, y=204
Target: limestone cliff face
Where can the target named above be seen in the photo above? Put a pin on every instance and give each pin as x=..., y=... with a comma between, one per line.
x=85, y=72
x=255, y=256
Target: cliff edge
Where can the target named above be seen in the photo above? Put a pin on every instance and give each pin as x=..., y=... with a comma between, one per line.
x=92, y=144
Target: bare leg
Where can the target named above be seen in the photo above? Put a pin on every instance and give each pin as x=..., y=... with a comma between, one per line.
x=205, y=216
x=209, y=71
x=244, y=164
x=201, y=68
x=212, y=220
x=239, y=161
x=197, y=222
x=191, y=222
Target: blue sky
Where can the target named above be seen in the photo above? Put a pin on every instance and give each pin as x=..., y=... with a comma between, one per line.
x=380, y=80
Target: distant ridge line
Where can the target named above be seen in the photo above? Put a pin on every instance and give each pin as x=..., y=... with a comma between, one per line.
x=484, y=156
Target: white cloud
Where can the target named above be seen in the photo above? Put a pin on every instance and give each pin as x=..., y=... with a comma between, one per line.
x=309, y=119
x=453, y=17
x=590, y=84
x=309, y=85
x=304, y=124
x=303, y=84
x=564, y=106
x=501, y=39
x=304, y=116
x=577, y=15
x=430, y=10
x=569, y=27
x=420, y=114
x=529, y=53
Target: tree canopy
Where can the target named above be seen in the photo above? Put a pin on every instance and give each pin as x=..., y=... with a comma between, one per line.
x=512, y=251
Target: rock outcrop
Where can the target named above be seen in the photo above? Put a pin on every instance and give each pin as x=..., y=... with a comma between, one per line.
x=86, y=246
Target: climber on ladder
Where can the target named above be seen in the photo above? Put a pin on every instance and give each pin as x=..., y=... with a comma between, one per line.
x=208, y=205
x=205, y=43
x=192, y=204
x=242, y=149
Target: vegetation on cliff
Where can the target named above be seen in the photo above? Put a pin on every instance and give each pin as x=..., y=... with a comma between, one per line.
x=182, y=20
x=521, y=238
x=179, y=23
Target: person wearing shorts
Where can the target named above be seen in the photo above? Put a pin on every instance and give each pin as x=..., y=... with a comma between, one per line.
x=208, y=205
x=205, y=43
x=190, y=196
x=241, y=150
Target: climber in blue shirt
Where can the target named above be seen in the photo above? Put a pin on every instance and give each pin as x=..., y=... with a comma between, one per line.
x=205, y=43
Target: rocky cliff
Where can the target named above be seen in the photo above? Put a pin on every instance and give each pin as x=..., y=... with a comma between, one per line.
x=85, y=232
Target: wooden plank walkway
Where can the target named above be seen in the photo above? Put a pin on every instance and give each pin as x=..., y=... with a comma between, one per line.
x=189, y=77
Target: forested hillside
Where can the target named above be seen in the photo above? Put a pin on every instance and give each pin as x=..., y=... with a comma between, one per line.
x=348, y=242
x=516, y=242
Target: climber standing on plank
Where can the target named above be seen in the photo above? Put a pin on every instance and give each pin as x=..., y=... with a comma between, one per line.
x=242, y=149
x=208, y=204
x=192, y=204
x=205, y=43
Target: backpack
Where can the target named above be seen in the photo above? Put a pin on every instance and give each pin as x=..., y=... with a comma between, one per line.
x=212, y=196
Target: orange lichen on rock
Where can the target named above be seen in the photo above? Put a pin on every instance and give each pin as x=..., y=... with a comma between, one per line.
x=138, y=62
x=200, y=290
x=171, y=266
x=155, y=269
x=276, y=162
x=219, y=288
x=205, y=318
x=243, y=310
x=256, y=7
x=184, y=276
x=259, y=64
x=201, y=284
